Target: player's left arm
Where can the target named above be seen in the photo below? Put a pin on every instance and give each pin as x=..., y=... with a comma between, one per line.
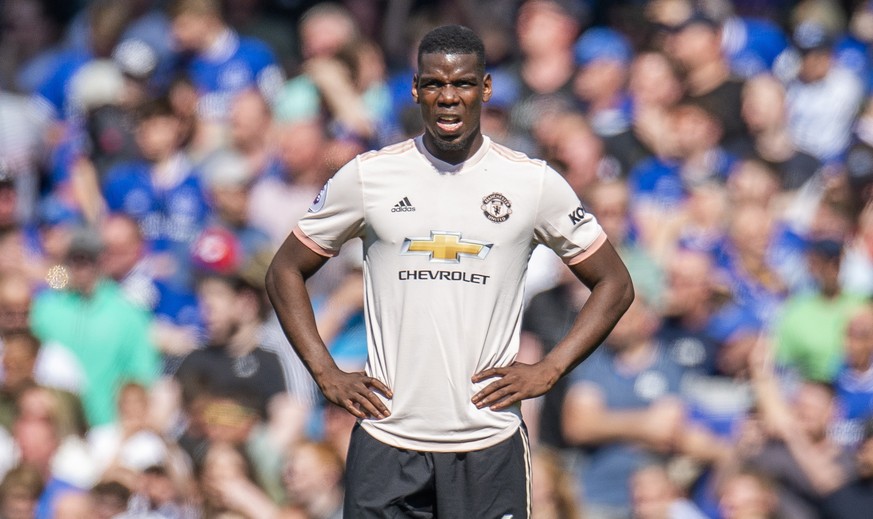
x=612, y=291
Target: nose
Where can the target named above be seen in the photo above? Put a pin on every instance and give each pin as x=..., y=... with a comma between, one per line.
x=448, y=95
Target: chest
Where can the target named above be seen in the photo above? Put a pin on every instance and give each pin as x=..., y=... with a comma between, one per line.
x=481, y=205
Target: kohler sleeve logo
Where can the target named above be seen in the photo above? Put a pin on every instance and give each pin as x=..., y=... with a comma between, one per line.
x=577, y=215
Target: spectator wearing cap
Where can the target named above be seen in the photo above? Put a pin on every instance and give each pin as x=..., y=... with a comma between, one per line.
x=87, y=314
x=823, y=97
x=229, y=178
x=809, y=333
x=751, y=44
x=695, y=42
x=603, y=56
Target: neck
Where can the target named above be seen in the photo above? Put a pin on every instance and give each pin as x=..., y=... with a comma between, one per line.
x=244, y=340
x=454, y=156
x=707, y=77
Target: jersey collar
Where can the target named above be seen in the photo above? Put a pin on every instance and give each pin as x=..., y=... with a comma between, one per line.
x=445, y=167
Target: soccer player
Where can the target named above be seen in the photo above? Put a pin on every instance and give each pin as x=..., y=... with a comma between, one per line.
x=448, y=221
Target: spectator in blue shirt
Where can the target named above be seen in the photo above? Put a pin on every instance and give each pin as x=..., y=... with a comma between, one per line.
x=161, y=192
x=622, y=411
x=223, y=63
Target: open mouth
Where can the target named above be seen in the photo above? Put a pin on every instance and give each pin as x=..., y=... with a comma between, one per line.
x=449, y=123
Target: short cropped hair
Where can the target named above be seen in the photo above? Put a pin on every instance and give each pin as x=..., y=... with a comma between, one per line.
x=153, y=108
x=196, y=7
x=453, y=39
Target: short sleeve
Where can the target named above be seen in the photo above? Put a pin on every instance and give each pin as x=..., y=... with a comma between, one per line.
x=336, y=215
x=562, y=222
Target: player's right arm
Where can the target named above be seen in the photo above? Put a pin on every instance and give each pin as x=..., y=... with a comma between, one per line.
x=286, y=278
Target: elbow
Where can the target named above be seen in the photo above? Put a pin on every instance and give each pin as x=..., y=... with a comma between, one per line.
x=628, y=294
x=624, y=294
x=270, y=281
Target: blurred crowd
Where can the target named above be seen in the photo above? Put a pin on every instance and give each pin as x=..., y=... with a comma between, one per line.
x=154, y=154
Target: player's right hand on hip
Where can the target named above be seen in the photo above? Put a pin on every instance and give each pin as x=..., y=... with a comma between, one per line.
x=354, y=392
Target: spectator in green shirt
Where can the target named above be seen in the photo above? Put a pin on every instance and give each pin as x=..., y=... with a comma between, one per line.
x=91, y=319
x=809, y=334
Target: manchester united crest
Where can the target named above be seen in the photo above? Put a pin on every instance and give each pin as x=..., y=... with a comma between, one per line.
x=496, y=207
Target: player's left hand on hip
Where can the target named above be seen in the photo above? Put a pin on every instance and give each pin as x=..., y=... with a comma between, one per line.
x=514, y=383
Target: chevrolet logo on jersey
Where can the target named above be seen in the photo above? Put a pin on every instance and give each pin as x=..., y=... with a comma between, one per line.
x=445, y=247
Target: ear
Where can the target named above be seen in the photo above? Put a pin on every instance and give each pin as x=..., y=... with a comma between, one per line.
x=415, y=88
x=486, y=87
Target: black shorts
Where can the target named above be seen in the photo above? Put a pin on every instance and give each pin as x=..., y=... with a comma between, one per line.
x=386, y=482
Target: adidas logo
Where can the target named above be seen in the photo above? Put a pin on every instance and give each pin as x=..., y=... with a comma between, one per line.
x=403, y=206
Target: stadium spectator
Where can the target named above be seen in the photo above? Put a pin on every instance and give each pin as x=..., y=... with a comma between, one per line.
x=656, y=496
x=125, y=261
x=223, y=63
x=546, y=31
x=815, y=350
x=233, y=362
x=748, y=495
x=553, y=494
x=109, y=499
x=807, y=416
x=622, y=409
x=19, y=492
x=20, y=351
x=854, y=381
x=277, y=201
x=703, y=330
x=609, y=199
x=845, y=495
x=753, y=261
x=105, y=22
x=90, y=318
x=252, y=133
x=695, y=42
x=313, y=480
x=228, y=179
x=227, y=483
x=15, y=300
x=763, y=111
x=162, y=192
x=130, y=444
x=603, y=56
x=817, y=126
x=654, y=85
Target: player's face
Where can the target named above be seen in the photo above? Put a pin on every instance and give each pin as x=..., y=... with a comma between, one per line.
x=451, y=89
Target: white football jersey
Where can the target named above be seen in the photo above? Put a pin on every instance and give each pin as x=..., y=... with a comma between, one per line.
x=446, y=249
